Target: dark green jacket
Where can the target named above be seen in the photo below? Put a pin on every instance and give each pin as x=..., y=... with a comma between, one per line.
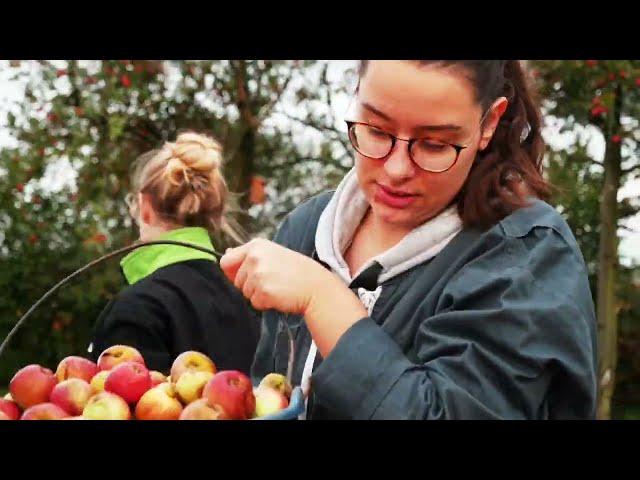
x=499, y=325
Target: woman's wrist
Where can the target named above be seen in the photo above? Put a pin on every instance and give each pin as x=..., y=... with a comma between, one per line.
x=332, y=309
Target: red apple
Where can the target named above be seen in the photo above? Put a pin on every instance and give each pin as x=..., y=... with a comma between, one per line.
x=200, y=410
x=190, y=385
x=278, y=382
x=106, y=406
x=157, y=377
x=72, y=395
x=76, y=367
x=97, y=382
x=191, y=360
x=78, y=417
x=32, y=385
x=268, y=401
x=10, y=409
x=232, y=390
x=129, y=380
x=3, y=416
x=125, y=80
x=118, y=354
x=159, y=403
x=44, y=411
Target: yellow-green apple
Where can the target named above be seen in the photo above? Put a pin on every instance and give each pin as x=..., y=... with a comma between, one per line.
x=97, y=382
x=232, y=390
x=32, y=385
x=77, y=417
x=278, y=382
x=159, y=403
x=44, y=411
x=190, y=385
x=10, y=409
x=157, y=377
x=8, y=397
x=106, y=406
x=200, y=410
x=268, y=401
x=118, y=354
x=129, y=380
x=191, y=360
x=71, y=395
x=76, y=367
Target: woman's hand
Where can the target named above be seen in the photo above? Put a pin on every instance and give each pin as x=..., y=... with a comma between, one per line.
x=274, y=277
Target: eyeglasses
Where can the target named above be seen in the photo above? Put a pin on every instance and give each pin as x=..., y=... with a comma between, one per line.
x=429, y=154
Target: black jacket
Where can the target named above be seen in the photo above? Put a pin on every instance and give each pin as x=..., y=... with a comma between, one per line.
x=185, y=306
x=499, y=325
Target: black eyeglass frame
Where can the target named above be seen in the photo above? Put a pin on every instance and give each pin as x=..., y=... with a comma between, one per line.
x=458, y=148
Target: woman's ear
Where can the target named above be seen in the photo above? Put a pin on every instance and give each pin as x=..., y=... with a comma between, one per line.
x=491, y=122
x=147, y=213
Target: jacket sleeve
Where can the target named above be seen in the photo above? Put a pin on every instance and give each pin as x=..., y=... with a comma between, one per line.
x=138, y=321
x=513, y=338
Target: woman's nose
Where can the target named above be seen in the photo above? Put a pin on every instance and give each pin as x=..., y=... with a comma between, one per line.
x=398, y=163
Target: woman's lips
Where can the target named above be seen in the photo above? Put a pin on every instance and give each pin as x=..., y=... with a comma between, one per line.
x=393, y=198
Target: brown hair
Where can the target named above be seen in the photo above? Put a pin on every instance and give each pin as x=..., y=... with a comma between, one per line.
x=186, y=186
x=510, y=168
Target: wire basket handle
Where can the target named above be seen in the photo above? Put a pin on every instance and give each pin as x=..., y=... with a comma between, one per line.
x=115, y=253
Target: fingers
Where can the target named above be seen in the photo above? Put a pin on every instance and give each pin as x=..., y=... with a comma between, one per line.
x=241, y=264
x=232, y=260
x=249, y=289
x=241, y=275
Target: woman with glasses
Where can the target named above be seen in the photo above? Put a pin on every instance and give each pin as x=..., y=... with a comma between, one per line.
x=435, y=282
x=177, y=299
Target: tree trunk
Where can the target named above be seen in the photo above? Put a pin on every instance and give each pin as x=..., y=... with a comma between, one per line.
x=607, y=267
x=241, y=166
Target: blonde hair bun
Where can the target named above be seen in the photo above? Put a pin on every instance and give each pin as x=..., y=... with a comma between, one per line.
x=190, y=155
x=186, y=185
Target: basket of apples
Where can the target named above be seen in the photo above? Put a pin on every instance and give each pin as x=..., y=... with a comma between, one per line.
x=121, y=387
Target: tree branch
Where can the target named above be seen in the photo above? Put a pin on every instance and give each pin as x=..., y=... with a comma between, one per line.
x=300, y=161
x=325, y=81
x=266, y=109
x=628, y=229
x=243, y=102
x=311, y=124
x=73, y=79
x=626, y=171
x=321, y=128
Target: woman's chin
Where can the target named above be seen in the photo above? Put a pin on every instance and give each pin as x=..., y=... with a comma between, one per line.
x=400, y=218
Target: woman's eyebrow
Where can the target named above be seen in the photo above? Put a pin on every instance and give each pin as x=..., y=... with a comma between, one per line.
x=381, y=114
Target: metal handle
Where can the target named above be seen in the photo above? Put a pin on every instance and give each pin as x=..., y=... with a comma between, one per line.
x=91, y=264
x=115, y=253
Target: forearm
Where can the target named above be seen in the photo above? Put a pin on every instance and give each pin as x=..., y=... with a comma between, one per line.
x=332, y=310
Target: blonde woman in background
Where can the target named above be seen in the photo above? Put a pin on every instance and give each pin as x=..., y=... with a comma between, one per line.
x=177, y=299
